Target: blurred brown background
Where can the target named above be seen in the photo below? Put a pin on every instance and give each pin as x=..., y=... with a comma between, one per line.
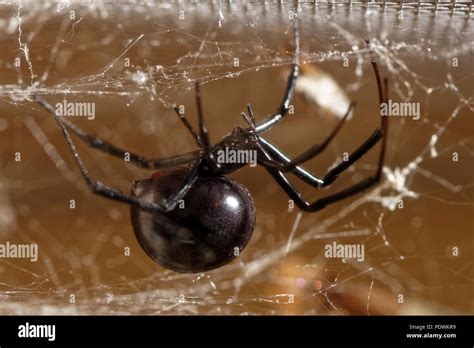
x=79, y=53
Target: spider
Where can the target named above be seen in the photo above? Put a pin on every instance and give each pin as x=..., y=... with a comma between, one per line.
x=218, y=217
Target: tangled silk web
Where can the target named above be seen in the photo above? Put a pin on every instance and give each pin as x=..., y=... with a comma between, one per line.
x=416, y=225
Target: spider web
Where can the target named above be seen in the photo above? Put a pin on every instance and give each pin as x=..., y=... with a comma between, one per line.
x=134, y=61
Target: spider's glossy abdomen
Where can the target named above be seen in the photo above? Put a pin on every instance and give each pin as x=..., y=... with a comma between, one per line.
x=208, y=229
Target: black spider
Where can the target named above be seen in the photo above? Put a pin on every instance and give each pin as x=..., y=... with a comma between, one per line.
x=218, y=216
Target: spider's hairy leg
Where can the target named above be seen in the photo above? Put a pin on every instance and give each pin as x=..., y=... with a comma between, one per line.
x=104, y=146
x=284, y=106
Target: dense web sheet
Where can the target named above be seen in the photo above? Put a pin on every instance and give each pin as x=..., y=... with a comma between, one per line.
x=138, y=60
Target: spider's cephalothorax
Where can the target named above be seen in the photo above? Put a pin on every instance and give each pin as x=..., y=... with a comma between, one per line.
x=242, y=144
x=194, y=218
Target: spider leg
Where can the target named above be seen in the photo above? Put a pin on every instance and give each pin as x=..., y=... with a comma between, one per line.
x=104, y=146
x=374, y=138
x=379, y=133
x=276, y=153
x=321, y=203
x=188, y=126
x=111, y=193
x=203, y=133
x=170, y=202
x=266, y=146
x=311, y=152
x=284, y=107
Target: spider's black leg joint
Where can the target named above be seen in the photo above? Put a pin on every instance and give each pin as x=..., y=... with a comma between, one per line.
x=333, y=174
x=311, y=152
x=104, y=146
x=284, y=107
x=276, y=153
x=282, y=180
x=203, y=133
